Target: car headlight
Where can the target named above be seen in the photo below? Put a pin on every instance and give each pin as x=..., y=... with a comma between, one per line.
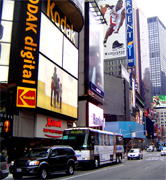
x=33, y=163
x=12, y=163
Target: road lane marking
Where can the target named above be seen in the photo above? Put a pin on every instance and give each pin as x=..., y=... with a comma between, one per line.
x=92, y=172
x=146, y=167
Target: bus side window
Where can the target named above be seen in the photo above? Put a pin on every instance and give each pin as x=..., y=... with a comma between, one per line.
x=96, y=138
x=105, y=140
x=101, y=139
x=111, y=140
x=108, y=139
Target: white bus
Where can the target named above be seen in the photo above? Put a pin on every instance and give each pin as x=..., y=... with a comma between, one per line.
x=94, y=147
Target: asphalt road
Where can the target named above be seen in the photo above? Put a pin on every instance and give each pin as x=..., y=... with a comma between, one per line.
x=151, y=167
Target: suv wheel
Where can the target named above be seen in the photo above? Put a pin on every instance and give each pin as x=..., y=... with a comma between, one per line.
x=17, y=176
x=43, y=173
x=117, y=159
x=70, y=169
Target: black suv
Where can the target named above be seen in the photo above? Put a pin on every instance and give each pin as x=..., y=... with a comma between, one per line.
x=44, y=161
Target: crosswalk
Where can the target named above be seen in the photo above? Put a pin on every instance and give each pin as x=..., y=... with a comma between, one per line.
x=159, y=158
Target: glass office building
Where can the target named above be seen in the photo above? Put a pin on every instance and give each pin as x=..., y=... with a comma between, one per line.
x=157, y=51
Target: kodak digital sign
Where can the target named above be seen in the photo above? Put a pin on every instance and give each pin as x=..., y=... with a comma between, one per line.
x=28, y=54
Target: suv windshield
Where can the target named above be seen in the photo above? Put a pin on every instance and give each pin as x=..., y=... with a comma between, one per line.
x=38, y=153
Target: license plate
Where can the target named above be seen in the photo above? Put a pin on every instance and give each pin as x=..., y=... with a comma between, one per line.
x=19, y=170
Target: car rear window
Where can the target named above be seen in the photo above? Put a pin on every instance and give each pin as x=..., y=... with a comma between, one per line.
x=134, y=150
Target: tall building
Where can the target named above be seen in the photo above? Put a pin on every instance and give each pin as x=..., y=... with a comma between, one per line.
x=143, y=49
x=157, y=48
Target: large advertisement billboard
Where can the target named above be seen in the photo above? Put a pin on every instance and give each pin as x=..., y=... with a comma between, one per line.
x=159, y=101
x=115, y=30
x=57, y=88
x=95, y=55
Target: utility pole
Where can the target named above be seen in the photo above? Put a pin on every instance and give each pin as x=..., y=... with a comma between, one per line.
x=131, y=135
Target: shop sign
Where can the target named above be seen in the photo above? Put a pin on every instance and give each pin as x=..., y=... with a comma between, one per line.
x=51, y=132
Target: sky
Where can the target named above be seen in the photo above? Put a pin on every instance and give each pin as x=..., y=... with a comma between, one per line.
x=152, y=8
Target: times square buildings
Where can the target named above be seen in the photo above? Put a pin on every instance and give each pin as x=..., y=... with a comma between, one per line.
x=49, y=44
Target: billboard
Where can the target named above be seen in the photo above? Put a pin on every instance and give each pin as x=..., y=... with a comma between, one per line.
x=96, y=116
x=130, y=34
x=115, y=30
x=95, y=55
x=159, y=101
x=57, y=90
x=132, y=82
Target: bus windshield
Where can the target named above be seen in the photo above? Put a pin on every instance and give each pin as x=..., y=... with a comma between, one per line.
x=76, y=141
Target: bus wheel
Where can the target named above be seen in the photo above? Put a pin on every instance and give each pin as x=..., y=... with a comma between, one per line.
x=117, y=159
x=120, y=159
x=96, y=163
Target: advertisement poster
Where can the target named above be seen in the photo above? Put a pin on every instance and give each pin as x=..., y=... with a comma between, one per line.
x=159, y=101
x=114, y=41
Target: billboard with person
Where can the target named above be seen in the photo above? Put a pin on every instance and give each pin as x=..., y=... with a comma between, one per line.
x=115, y=30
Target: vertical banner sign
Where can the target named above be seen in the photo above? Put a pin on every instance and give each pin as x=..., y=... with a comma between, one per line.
x=29, y=47
x=130, y=34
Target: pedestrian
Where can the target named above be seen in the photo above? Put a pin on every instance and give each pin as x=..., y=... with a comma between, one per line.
x=4, y=153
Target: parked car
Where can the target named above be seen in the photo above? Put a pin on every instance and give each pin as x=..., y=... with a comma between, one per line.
x=3, y=168
x=135, y=153
x=163, y=151
x=44, y=161
x=150, y=149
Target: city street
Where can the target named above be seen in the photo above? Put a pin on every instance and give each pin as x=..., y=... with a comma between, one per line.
x=151, y=167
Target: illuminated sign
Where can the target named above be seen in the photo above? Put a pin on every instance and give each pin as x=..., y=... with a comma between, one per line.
x=130, y=34
x=96, y=116
x=50, y=77
x=26, y=97
x=53, y=123
x=29, y=40
x=97, y=90
x=61, y=22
